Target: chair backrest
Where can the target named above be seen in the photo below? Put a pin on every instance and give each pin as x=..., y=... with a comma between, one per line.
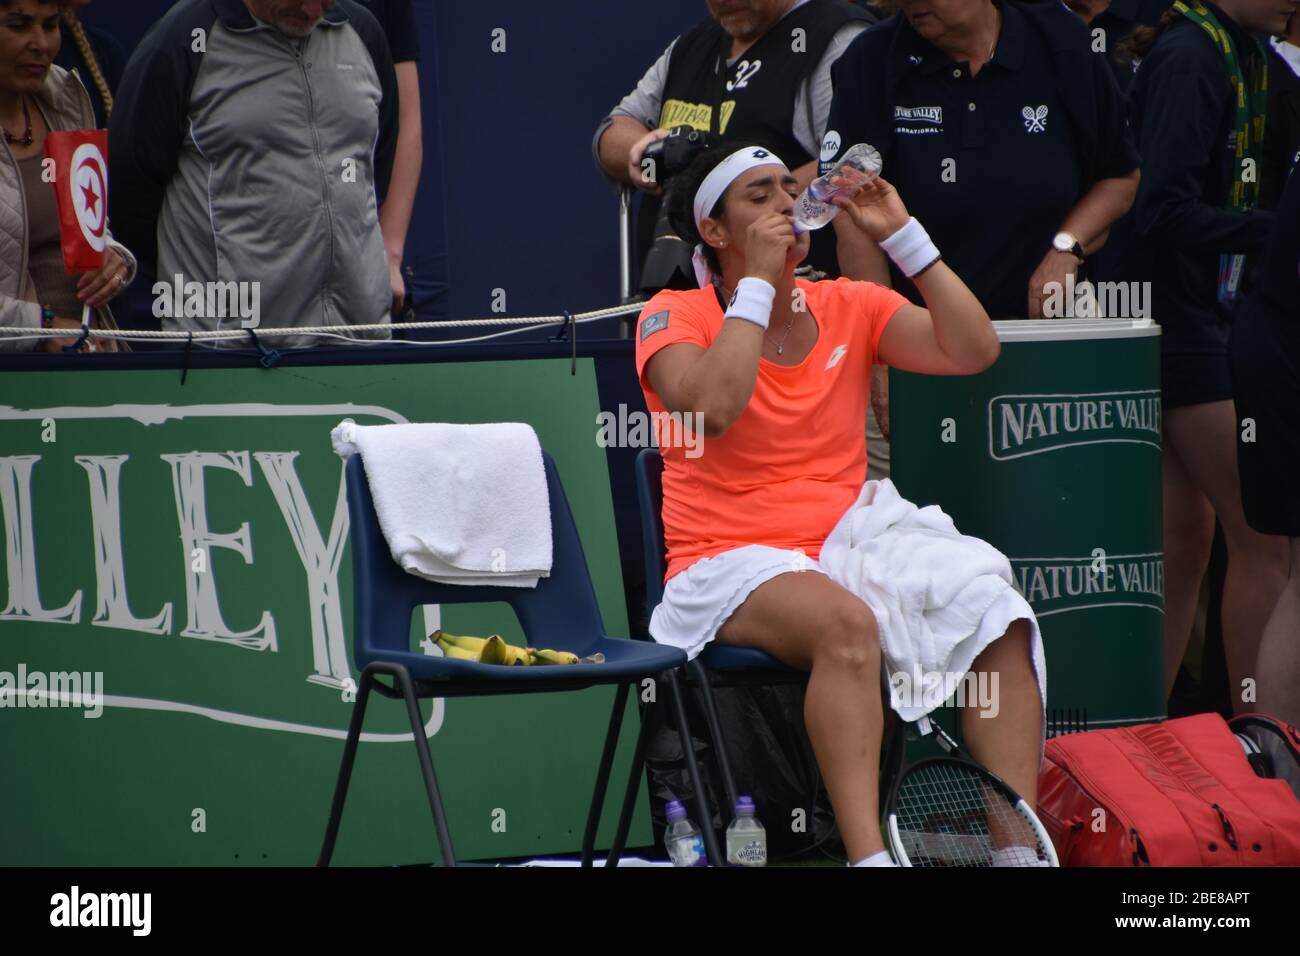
x=650, y=498
x=561, y=613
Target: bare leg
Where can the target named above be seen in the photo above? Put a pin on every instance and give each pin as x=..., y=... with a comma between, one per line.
x=1204, y=437
x=1279, y=650
x=1006, y=737
x=811, y=623
x=1188, y=537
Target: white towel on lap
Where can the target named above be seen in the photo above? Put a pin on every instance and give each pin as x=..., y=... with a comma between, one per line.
x=939, y=597
x=458, y=504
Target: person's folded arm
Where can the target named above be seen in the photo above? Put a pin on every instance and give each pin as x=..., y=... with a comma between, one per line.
x=18, y=314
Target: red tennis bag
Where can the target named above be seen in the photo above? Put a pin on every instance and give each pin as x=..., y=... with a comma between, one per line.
x=1178, y=793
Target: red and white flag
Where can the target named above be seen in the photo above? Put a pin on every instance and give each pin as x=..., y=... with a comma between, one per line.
x=81, y=185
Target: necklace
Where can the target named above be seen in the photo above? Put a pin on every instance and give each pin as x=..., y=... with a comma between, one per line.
x=780, y=346
x=26, y=138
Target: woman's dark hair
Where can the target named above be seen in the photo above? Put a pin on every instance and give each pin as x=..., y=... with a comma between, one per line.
x=57, y=4
x=679, y=198
x=1139, y=43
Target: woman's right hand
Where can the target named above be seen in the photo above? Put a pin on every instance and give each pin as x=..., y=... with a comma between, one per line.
x=768, y=242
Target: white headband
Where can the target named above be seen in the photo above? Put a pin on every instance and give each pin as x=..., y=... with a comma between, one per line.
x=720, y=177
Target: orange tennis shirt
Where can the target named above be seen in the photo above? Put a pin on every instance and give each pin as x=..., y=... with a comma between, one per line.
x=795, y=460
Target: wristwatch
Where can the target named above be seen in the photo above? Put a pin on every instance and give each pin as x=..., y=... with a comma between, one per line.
x=1064, y=242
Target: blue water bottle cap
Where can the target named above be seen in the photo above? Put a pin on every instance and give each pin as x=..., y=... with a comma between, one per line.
x=676, y=811
x=744, y=804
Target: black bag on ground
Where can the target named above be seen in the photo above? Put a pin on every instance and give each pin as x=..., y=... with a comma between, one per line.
x=771, y=760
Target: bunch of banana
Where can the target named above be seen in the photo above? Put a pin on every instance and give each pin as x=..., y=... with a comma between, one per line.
x=494, y=650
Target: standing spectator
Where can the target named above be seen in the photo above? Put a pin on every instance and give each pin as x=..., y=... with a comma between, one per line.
x=1199, y=103
x=36, y=98
x=268, y=164
x=397, y=18
x=1266, y=378
x=1282, y=129
x=991, y=114
x=96, y=56
x=1111, y=22
x=754, y=70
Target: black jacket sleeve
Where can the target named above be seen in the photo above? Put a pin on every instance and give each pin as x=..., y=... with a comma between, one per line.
x=1180, y=137
x=149, y=123
x=372, y=35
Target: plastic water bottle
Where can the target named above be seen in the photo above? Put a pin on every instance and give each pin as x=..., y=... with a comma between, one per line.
x=814, y=209
x=746, y=838
x=684, y=843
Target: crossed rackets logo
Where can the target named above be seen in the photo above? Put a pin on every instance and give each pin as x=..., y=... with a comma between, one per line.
x=1035, y=120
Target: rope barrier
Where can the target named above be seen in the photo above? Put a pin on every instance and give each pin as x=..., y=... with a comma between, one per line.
x=345, y=332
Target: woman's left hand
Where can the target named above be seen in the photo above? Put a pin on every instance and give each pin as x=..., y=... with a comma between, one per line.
x=876, y=209
x=105, y=283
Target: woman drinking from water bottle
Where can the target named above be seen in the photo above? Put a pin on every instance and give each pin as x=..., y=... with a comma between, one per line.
x=777, y=370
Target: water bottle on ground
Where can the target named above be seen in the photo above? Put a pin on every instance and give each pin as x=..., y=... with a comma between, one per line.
x=746, y=838
x=683, y=841
x=814, y=209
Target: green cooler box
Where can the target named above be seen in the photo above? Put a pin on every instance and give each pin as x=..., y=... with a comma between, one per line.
x=1053, y=456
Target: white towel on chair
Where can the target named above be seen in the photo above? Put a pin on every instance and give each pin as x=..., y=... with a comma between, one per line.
x=939, y=597
x=458, y=504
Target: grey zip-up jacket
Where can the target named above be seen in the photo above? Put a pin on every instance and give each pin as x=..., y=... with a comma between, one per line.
x=65, y=105
x=241, y=155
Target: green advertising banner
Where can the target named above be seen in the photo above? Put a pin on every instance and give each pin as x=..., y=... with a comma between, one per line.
x=1053, y=456
x=175, y=642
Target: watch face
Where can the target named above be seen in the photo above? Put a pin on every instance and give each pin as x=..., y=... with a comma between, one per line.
x=1062, y=242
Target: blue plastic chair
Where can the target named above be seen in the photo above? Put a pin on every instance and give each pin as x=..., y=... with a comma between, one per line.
x=561, y=613
x=718, y=665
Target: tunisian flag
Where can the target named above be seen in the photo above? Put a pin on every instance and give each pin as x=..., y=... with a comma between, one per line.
x=81, y=185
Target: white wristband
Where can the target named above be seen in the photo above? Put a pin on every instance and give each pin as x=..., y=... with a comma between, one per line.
x=752, y=301
x=910, y=248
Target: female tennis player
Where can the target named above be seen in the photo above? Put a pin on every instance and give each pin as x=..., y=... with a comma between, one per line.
x=778, y=372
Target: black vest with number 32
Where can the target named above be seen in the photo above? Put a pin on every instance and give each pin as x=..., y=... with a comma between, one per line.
x=753, y=99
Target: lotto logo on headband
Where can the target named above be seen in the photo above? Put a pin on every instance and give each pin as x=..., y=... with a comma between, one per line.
x=760, y=154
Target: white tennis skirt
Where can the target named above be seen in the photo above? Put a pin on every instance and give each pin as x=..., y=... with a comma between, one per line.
x=698, y=601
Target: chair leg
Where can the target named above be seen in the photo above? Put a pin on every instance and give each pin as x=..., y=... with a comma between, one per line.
x=403, y=677
x=629, y=795
x=693, y=770
x=715, y=732
x=602, y=775
x=345, y=769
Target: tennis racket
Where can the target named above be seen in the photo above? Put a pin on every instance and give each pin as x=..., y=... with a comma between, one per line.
x=951, y=811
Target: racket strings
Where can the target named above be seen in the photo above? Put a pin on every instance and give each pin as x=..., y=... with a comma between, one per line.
x=949, y=815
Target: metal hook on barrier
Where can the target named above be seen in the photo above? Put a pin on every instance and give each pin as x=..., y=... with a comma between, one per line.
x=570, y=329
x=269, y=357
x=185, y=361
x=81, y=340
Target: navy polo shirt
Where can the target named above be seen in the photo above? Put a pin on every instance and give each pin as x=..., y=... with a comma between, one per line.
x=990, y=164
